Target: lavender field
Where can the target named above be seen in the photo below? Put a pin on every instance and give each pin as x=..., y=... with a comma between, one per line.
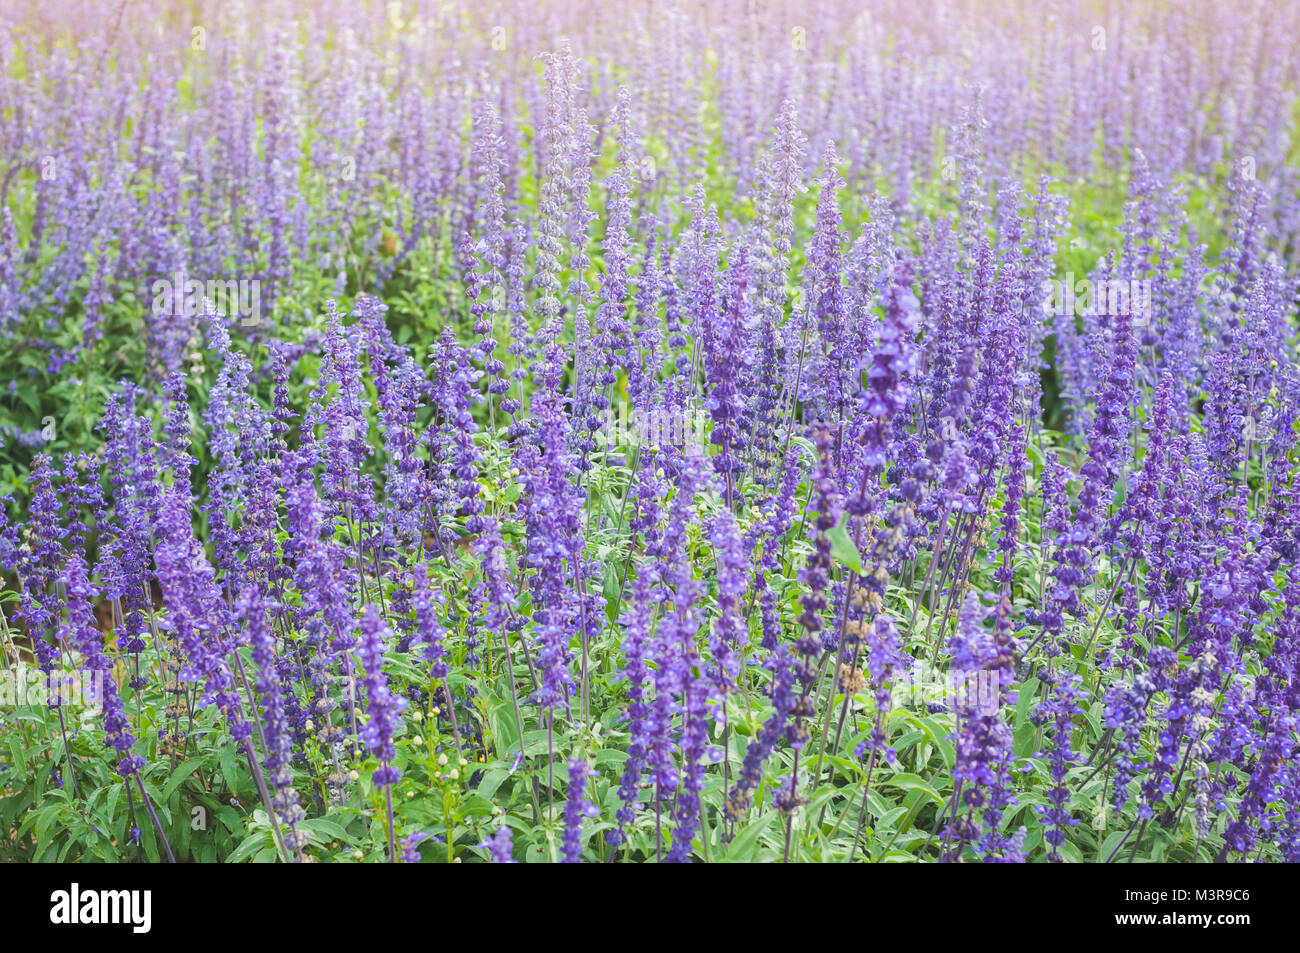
x=584, y=431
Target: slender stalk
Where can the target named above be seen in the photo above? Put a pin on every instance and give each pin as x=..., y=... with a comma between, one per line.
x=866, y=789
x=266, y=800
x=67, y=751
x=154, y=817
x=392, y=835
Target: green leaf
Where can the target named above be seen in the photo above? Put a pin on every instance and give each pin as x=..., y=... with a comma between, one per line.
x=328, y=828
x=611, y=590
x=742, y=845
x=253, y=842
x=179, y=776
x=16, y=749
x=1025, y=731
x=843, y=548
x=940, y=738
x=492, y=780
x=27, y=394
x=913, y=782
x=227, y=759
